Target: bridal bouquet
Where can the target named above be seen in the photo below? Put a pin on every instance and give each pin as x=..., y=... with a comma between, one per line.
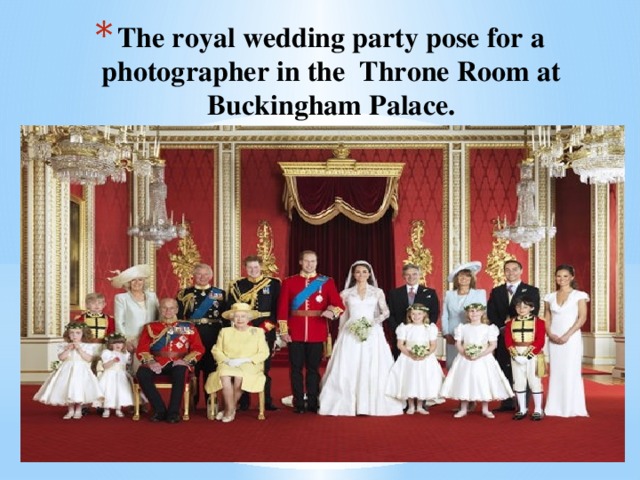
x=473, y=350
x=54, y=365
x=420, y=350
x=361, y=328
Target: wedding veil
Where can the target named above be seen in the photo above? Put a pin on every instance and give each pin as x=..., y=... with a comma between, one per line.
x=366, y=264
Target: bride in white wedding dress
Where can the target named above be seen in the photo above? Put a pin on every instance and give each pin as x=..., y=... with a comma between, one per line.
x=356, y=377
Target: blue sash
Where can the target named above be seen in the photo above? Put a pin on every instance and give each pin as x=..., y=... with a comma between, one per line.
x=204, y=307
x=306, y=293
x=169, y=336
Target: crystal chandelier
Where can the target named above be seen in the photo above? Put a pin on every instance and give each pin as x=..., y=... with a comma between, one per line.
x=527, y=230
x=595, y=152
x=87, y=155
x=157, y=227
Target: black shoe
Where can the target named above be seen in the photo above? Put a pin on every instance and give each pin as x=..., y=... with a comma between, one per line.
x=536, y=417
x=85, y=411
x=173, y=418
x=271, y=408
x=99, y=410
x=312, y=409
x=519, y=415
x=158, y=417
x=243, y=406
x=298, y=410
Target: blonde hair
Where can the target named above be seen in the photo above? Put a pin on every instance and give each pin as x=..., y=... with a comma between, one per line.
x=94, y=296
x=420, y=308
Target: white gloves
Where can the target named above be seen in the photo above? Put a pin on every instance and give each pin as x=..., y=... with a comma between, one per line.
x=520, y=359
x=236, y=362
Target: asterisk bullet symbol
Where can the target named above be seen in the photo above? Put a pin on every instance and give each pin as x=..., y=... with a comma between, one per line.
x=103, y=29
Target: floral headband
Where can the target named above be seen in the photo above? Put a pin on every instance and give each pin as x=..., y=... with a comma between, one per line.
x=115, y=338
x=75, y=326
x=475, y=306
x=417, y=306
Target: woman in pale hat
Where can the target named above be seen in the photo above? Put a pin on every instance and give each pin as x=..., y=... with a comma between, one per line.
x=137, y=306
x=240, y=352
x=464, y=293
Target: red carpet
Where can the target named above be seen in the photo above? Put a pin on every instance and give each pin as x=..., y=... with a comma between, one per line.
x=287, y=437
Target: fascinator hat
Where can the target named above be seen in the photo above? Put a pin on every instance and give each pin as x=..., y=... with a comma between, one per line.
x=473, y=267
x=131, y=273
x=351, y=281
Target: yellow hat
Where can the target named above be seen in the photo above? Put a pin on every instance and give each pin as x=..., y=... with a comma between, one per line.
x=240, y=307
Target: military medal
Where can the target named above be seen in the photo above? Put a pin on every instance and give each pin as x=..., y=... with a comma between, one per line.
x=319, y=298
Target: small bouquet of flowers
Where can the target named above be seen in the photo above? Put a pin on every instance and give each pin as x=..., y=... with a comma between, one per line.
x=420, y=350
x=54, y=365
x=361, y=328
x=473, y=350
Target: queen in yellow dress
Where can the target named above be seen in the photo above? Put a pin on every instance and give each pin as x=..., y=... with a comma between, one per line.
x=240, y=352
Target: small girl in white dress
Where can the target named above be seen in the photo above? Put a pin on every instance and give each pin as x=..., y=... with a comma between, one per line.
x=115, y=380
x=475, y=374
x=72, y=383
x=416, y=376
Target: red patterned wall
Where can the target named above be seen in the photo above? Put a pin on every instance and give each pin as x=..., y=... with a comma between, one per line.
x=190, y=178
x=493, y=175
x=111, y=239
x=573, y=219
x=420, y=197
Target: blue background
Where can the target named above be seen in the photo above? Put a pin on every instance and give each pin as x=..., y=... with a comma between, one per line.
x=51, y=69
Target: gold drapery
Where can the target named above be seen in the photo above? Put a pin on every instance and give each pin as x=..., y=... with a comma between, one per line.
x=341, y=168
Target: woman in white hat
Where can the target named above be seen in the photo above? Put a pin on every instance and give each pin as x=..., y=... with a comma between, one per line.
x=240, y=352
x=464, y=293
x=137, y=306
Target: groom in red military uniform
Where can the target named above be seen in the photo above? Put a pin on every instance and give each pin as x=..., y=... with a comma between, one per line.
x=306, y=302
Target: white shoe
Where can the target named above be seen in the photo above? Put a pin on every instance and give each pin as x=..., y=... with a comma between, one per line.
x=220, y=415
x=422, y=411
x=230, y=418
x=460, y=414
x=106, y=413
x=411, y=410
x=119, y=414
x=77, y=414
x=68, y=415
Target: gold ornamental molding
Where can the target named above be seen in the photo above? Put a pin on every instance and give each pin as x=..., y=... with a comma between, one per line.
x=417, y=253
x=264, y=249
x=186, y=259
x=620, y=260
x=497, y=257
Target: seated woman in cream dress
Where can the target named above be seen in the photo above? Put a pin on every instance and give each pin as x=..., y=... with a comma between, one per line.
x=240, y=352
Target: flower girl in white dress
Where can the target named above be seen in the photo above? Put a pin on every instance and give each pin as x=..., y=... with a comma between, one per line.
x=72, y=383
x=416, y=376
x=475, y=375
x=115, y=380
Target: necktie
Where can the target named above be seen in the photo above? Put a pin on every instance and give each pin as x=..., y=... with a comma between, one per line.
x=412, y=295
x=510, y=289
